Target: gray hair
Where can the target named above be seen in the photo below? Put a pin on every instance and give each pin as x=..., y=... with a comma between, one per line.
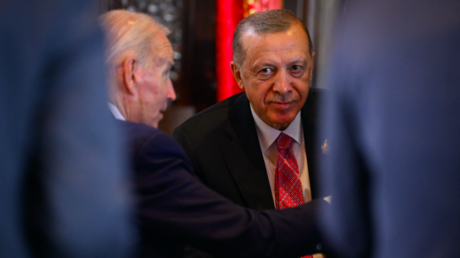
x=266, y=22
x=125, y=30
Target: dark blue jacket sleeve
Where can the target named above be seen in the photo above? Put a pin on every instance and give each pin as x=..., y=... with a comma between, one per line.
x=177, y=206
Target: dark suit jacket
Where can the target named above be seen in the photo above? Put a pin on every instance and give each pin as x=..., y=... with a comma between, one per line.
x=175, y=208
x=394, y=125
x=224, y=149
x=61, y=170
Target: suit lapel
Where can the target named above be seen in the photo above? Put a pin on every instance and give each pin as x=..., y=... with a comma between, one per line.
x=312, y=143
x=244, y=157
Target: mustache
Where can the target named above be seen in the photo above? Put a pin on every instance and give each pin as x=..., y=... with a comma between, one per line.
x=283, y=98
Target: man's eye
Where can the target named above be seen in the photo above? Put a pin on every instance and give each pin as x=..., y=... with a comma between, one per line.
x=296, y=67
x=166, y=75
x=297, y=70
x=266, y=70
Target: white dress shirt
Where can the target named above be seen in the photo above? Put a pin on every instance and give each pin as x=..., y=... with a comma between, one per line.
x=267, y=140
x=116, y=113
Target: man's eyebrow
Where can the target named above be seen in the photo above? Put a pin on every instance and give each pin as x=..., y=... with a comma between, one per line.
x=298, y=60
x=165, y=60
x=264, y=63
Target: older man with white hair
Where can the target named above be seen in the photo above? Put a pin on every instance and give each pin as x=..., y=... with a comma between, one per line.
x=139, y=59
x=175, y=208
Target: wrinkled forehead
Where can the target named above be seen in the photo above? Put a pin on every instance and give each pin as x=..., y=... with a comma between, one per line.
x=162, y=47
x=294, y=37
x=295, y=33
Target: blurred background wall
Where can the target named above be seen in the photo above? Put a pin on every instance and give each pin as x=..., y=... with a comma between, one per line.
x=194, y=36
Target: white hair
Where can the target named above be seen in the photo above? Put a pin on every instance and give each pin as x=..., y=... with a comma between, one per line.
x=125, y=30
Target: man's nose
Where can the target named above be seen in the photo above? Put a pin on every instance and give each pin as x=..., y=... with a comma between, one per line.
x=171, y=93
x=282, y=84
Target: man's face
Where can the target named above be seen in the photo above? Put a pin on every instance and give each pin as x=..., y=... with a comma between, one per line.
x=276, y=74
x=154, y=84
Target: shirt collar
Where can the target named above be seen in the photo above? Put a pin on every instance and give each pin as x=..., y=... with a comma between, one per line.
x=268, y=134
x=116, y=113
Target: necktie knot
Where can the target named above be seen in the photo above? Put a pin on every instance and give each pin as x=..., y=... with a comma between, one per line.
x=283, y=141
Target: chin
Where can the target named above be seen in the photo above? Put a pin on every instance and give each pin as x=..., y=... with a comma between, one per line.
x=282, y=118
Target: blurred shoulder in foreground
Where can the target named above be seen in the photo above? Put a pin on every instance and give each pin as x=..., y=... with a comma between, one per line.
x=394, y=129
x=61, y=180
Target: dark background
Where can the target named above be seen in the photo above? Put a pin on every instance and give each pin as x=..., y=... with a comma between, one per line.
x=193, y=36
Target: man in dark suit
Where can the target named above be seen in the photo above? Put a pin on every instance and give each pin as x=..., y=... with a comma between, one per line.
x=61, y=171
x=393, y=121
x=175, y=208
x=233, y=144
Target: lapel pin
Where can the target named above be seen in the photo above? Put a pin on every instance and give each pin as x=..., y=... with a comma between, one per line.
x=325, y=147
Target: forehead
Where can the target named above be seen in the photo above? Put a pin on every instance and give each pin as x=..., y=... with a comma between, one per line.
x=278, y=45
x=162, y=48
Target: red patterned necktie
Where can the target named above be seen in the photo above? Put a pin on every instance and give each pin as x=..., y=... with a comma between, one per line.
x=288, y=188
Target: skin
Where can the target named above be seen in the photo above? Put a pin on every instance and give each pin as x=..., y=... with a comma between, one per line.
x=148, y=87
x=276, y=74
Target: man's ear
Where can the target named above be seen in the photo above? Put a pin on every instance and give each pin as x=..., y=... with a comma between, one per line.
x=312, y=64
x=130, y=66
x=237, y=74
